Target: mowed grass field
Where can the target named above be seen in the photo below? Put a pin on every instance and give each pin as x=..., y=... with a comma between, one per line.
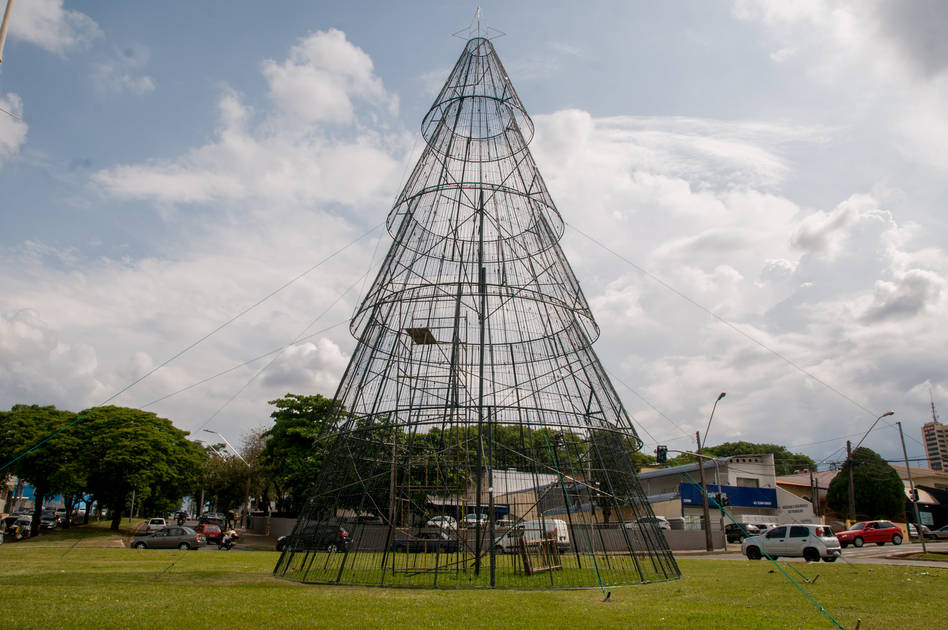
x=82, y=578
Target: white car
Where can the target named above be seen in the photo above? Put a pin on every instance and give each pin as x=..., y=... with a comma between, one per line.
x=442, y=522
x=472, y=519
x=810, y=542
x=659, y=521
x=155, y=524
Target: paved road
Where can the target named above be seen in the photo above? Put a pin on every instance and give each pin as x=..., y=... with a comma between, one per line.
x=868, y=554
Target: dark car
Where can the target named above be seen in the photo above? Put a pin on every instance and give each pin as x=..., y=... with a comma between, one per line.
x=426, y=542
x=326, y=536
x=212, y=519
x=170, y=538
x=737, y=532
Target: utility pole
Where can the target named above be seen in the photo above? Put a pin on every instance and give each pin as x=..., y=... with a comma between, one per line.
x=914, y=492
x=815, y=492
x=709, y=542
x=852, y=496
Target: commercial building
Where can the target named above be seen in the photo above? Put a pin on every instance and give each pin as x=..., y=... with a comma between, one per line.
x=747, y=486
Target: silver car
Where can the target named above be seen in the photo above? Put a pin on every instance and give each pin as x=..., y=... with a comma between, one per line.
x=170, y=538
x=797, y=540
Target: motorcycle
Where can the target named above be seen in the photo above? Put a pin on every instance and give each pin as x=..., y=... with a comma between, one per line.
x=228, y=540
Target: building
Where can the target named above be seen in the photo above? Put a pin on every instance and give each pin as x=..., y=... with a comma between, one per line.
x=747, y=485
x=935, y=436
x=932, y=489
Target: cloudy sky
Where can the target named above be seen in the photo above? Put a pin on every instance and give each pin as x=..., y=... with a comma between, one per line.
x=754, y=194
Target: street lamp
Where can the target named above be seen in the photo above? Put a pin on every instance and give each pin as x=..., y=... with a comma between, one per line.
x=236, y=452
x=249, y=469
x=709, y=543
x=849, y=464
x=704, y=440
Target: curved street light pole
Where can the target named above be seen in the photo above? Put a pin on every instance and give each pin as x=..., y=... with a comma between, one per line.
x=249, y=469
x=849, y=464
x=704, y=440
x=709, y=542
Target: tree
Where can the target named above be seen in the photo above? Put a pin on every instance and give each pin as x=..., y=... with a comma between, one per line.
x=878, y=489
x=785, y=462
x=130, y=449
x=38, y=446
x=295, y=446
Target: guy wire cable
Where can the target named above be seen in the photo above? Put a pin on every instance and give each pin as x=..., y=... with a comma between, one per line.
x=189, y=347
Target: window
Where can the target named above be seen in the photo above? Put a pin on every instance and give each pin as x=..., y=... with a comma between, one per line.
x=824, y=532
x=798, y=531
x=777, y=532
x=748, y=482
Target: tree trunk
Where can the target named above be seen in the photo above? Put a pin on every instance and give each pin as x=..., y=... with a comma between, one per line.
x=69, y=500
x=116, y=517
x=39, y=496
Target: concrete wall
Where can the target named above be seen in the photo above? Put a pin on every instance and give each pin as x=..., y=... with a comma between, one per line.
x=371, y=537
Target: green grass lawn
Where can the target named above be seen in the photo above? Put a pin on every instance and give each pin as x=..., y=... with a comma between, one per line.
x=79, y=579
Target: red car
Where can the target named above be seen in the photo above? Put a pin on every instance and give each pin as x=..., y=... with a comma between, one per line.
x=879, y=532
x=211, y=532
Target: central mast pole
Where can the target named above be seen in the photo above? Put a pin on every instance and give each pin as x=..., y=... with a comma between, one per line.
x=482, y=289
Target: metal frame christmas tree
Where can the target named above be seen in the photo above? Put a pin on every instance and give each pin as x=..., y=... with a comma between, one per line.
x=475, y=439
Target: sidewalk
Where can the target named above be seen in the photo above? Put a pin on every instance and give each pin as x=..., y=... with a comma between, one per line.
x=258, y=542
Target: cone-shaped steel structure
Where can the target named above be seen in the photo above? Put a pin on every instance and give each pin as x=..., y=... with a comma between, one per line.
x=476, y=440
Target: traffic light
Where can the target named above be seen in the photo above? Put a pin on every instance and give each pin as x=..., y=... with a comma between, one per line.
x=661, y=454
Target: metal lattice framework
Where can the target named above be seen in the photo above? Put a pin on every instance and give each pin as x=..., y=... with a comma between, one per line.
x=476, y=440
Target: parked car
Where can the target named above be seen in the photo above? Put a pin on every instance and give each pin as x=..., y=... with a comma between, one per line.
x=879, y=532
x=212, y=518
x=326, y=536
x=737, y=532
x=49, y=520
x=913, y=531
x=442, y=522
x=810, y=542
x=170, y=538
x=213, y=533
x=472, y=520
x=427, y=542
x=939, y=534
x=16, y=527
x=154, y=524
x=659, y=521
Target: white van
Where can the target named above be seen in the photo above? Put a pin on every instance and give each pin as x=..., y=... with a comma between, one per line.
x=532, y=532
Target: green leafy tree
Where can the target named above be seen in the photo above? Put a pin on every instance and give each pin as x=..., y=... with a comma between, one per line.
x=225, y=478
x=130, y=449
x=295, y=446
x=878, y=489
x=35, y=447
x=785, y=462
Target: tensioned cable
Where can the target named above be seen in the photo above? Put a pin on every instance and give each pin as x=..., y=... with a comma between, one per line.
x=809, y=597
x=191, y=346
x=299, y=337
x=727, y=323
x=245, y=363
